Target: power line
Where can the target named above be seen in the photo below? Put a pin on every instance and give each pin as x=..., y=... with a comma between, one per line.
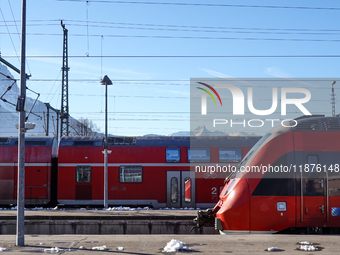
x=208, y=4
x=206, y=27
x=105, y=23
x=225, y=30
x=8, y=32
x=190, y=37
x=186, y=56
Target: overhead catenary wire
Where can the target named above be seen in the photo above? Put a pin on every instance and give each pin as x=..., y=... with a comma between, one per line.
x=9, y=33
x=16, y=27
x=127, y=24
x=207, y=4
x=188, y=37
x=186, y=56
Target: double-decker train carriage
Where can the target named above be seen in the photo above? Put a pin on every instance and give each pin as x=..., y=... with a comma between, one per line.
x=40, y=170
x=145, y=171
x=289, y=181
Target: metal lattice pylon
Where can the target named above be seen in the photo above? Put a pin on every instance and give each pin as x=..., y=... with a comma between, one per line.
x=64, y=113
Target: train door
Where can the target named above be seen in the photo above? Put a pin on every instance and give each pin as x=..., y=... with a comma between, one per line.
x=7, y=177
x=36, y=183
x=180, y=189
x=313, y=189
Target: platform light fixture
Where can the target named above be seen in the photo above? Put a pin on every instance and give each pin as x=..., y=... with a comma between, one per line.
x=106, y=81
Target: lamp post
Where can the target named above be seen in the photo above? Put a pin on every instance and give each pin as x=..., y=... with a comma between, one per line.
x=106, y=81
x=333, y=99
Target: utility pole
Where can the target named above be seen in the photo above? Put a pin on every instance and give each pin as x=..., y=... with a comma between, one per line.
x=47, y=121
x=333, y=99
x=48, y=106
x=20, y=107
x=64, y=112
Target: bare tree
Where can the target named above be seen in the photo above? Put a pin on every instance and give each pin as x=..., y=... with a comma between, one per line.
x=83, y=127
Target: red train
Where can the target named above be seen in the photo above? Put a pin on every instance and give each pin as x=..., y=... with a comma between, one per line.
x=142, y=171
x=289, y=181
x=40, y=170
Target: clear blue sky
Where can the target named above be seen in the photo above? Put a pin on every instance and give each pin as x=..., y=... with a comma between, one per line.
x=152, y=95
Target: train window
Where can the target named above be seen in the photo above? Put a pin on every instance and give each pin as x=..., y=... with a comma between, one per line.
x=229, y=154
x=198, y=154
x=174, y=190
x=131, y=174
x=83, y=174
x=173, y=155
x=4, y=140
x=187, y=188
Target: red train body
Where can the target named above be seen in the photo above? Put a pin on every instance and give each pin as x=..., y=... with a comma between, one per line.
x=40, y=170
x=142, y=171
x=299, y=189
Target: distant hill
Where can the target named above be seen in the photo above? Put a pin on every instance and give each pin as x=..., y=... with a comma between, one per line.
x=9, y=116
x=203, y=131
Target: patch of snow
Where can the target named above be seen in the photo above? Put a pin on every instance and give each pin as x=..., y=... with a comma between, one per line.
x=3, y=249
x=120, y=208
x=305, y=243
x=273, y=249
x=308, y=248
x=175, y=246
x=100, y=248
x=81, y=248
x=37, y=208
x=53, y=250
x=120, y=248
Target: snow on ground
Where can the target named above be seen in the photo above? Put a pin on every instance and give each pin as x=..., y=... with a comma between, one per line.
x=308, y=248
x=305, y=243
x=175, y=246
x=53, y=250
x=3, y=249
x=120, y=248
x=273, y=249
x=121, y=208
x=185, y=208
x=100, y=248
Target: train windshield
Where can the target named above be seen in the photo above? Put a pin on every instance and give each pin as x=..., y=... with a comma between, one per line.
x=249, y=156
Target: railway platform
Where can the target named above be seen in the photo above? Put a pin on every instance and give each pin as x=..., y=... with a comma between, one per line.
x=155, y=244
x=107, y=222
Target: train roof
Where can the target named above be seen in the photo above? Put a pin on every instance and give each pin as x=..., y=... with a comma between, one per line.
x=317, y=123
x=29, y=141
x=310, y=123
x=162, y=141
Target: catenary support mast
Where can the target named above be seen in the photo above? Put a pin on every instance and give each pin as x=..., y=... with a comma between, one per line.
x=64, y=113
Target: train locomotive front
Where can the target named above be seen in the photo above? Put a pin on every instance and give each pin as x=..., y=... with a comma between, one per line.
x=289, y=181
